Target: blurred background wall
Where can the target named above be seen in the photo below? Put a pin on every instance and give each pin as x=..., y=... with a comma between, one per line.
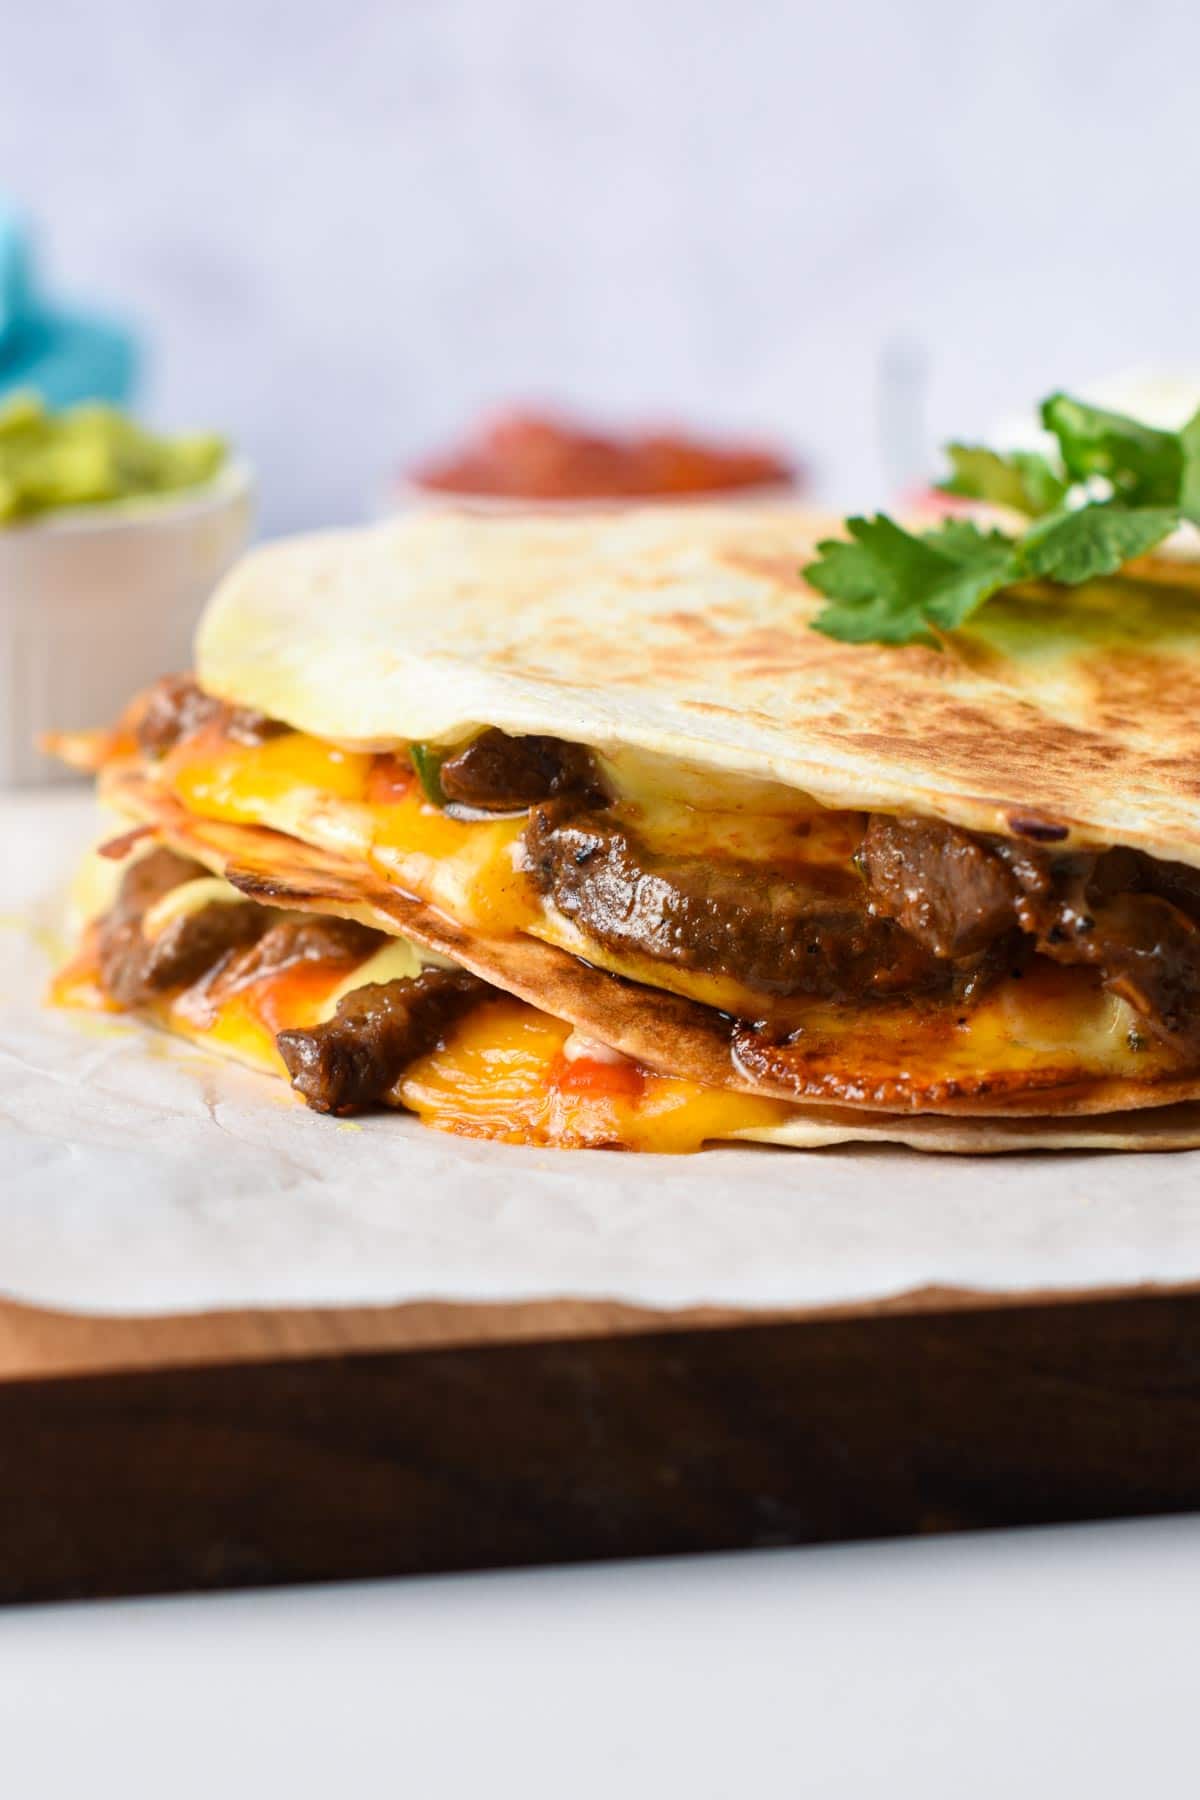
x=344, y=227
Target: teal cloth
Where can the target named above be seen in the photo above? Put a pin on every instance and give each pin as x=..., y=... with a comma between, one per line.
x=66, y=353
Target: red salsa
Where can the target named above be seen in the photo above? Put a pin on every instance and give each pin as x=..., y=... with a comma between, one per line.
x=535, y=456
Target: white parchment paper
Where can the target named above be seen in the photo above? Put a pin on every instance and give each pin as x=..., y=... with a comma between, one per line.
x=141, y=1175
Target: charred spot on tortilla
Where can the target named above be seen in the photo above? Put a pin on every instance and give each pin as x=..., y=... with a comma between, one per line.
x=1039, y=831
x=288, y=887
x=257, y=886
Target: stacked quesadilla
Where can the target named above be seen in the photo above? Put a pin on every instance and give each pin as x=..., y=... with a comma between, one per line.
x=575, y=832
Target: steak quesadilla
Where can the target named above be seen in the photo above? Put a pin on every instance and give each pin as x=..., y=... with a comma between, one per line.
x=577, y=832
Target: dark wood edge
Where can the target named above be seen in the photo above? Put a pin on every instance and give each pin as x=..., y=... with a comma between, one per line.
x=38, y=1342
x=489, y=1454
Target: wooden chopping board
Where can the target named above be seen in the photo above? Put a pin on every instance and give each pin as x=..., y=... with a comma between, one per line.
x=239, y=1449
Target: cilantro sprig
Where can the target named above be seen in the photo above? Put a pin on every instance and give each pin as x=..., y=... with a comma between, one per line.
x=1116, y=489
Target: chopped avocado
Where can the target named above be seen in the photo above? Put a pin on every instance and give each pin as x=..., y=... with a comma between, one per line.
x=91, y=455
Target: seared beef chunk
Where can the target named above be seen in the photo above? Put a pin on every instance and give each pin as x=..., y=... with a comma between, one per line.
x=1123, y=914
x=351, y=1061
x=195, y=943
x=1171, y=881
x=312, y=938
x=947, y=889
x=177, y=709
x=1145, y=949
x=806, y=932
x=936, y=907
x=342, y=1066
x=134, y=968
x=498, y=773
x=151, y=876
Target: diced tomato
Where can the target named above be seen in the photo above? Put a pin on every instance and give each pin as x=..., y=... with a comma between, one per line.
x=389, y=780
x=588, y=1075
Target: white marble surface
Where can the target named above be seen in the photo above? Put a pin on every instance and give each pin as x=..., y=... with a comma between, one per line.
x=347, y=226
x=1036, y=1663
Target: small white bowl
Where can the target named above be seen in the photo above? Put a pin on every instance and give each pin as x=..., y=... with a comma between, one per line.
x=97, y=602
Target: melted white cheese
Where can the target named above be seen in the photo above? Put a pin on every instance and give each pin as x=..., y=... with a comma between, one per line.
x=188, y=897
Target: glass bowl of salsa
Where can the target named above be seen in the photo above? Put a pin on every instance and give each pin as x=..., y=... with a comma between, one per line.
x=522, y=461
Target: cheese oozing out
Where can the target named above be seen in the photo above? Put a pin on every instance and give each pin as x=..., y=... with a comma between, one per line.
x=504, y=1071
x=189, y=897
x=1053, y=1023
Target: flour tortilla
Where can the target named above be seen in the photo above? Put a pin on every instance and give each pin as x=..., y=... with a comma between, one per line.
x=686, y=632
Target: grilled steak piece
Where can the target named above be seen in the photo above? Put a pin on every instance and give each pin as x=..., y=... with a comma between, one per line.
x=949, y=890
x=134, y=968
x=350, y=1062
x=1176, y=882
x=778, y=933
x=1146, y=950
x=936, y=907
x=312, y=938
x=1132, y=919
x=498, y=773
x=178, y=709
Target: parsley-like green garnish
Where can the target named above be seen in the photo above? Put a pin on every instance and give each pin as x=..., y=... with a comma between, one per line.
x=1189, y=486
x=1144, y=465
x=1070, y=547
x=1024, y=480
x=886, y=585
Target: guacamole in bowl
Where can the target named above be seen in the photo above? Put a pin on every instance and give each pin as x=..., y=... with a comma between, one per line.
x=92, y=456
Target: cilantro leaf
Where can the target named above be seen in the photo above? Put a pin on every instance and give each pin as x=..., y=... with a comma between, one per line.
x=1023, y=480
x=1189, y=487
x=1093, y=540
x=1144, y=465
x=887, y=586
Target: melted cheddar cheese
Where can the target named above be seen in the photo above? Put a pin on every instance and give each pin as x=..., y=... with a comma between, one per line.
x=1047, y=1026
x=239, y=782
x=373, y=809
x=500, y=1072
x=368, y=807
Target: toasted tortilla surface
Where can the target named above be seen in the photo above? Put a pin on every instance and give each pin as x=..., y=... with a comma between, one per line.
x=687, y=632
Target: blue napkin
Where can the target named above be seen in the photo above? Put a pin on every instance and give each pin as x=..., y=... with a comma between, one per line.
x=66, y=354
